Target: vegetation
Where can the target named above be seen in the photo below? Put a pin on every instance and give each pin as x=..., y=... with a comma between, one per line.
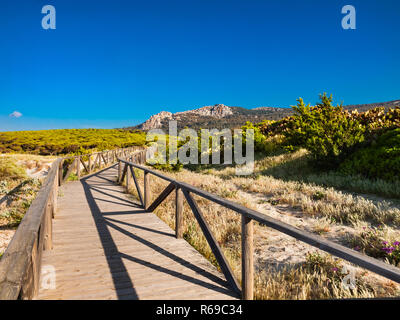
x=324, y=130
x=17, y=191
x=380, y=160
x=9, y=170
x=319, y=276
x=378, y=242
x=318, y=165
x=66, y=141
x=361, y=143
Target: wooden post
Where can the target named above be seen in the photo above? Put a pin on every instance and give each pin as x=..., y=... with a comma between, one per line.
x=55, y=196
x=60, y=173
x=147, y=190
x=47, y=225
x=119, y=171
x=247, y=259
x=90, y=163
x=78, y=169
x=178, y=213
x=128, y=172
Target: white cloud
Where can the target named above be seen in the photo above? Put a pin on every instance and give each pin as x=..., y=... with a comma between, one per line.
x=16, y=114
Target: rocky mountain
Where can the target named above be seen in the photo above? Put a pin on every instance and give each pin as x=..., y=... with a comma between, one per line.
x=220, y=116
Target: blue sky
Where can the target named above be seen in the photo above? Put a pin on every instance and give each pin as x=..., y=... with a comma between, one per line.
x=114, y=63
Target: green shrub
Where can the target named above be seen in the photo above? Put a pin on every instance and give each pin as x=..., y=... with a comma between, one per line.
x=380, y=160
x=263, y=143
x=325, y=130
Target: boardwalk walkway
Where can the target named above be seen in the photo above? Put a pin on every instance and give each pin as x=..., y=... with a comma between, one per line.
x=106, y=247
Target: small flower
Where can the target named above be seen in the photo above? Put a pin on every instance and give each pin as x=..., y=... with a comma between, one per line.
x=396, y=243
x=388, y=250
x=334, y=269
x=384, y=242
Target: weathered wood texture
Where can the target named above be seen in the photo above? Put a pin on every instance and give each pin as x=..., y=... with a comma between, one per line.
x=247, y=259
x=178, y=213
x=21, y=263
x=389, y=271
x=107, y=247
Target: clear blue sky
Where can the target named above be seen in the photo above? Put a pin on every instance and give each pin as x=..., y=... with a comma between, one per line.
x=114, y=63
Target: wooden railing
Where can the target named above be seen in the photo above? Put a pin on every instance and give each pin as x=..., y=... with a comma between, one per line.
x=184, y=190
x=20, y=265
x=87, y=163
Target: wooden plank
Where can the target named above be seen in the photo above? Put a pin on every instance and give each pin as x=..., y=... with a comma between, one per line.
x=20, y=263
x=247, y=259
x=105, y=162
x=90, y=164
x=124, y=172
x=78, y=167
x=84, y=164
x=219, y=255
x=178, y=213
x=120, y=256
x=147, y=190
x=161, y=197
x=69, y=171
x=137, y=186
x=386, y=270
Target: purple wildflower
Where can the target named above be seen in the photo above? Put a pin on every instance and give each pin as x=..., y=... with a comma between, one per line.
x=396, y=243
x=334, y=269
x=384, y=242
x=388, y=250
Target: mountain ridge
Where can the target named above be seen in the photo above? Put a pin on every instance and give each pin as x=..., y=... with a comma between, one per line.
x=220, y=116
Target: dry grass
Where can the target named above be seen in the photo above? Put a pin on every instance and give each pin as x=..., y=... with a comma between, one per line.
x=294, y=282
x=296, y=167
x=316, y=194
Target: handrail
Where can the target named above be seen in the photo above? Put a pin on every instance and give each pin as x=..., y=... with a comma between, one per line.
x=20, y=265
x=248, y=215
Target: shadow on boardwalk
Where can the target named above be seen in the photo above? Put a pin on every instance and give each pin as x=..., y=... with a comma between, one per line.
x=102, y=194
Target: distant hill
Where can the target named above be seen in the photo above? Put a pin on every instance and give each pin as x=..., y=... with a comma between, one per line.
x=221, y=116
x=218, y=116
x=365, y=107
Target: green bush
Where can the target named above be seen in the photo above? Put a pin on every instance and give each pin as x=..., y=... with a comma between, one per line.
x=265, y=144
x=325, y=130
x=380, y=160
x=259, y=138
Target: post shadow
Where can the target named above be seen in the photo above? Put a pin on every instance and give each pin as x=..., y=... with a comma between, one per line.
x=118, y=271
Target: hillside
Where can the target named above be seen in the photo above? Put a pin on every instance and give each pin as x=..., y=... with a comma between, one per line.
x=221, y=116
x=66, y=141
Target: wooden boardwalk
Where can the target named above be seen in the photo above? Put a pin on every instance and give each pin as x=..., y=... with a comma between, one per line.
x=107, y=247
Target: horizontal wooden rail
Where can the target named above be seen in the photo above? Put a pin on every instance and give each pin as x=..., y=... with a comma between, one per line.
x=248, y=215
x=90, y=162
x=20, y=265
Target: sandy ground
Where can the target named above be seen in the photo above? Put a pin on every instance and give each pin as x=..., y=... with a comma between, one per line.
x=5, y=238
